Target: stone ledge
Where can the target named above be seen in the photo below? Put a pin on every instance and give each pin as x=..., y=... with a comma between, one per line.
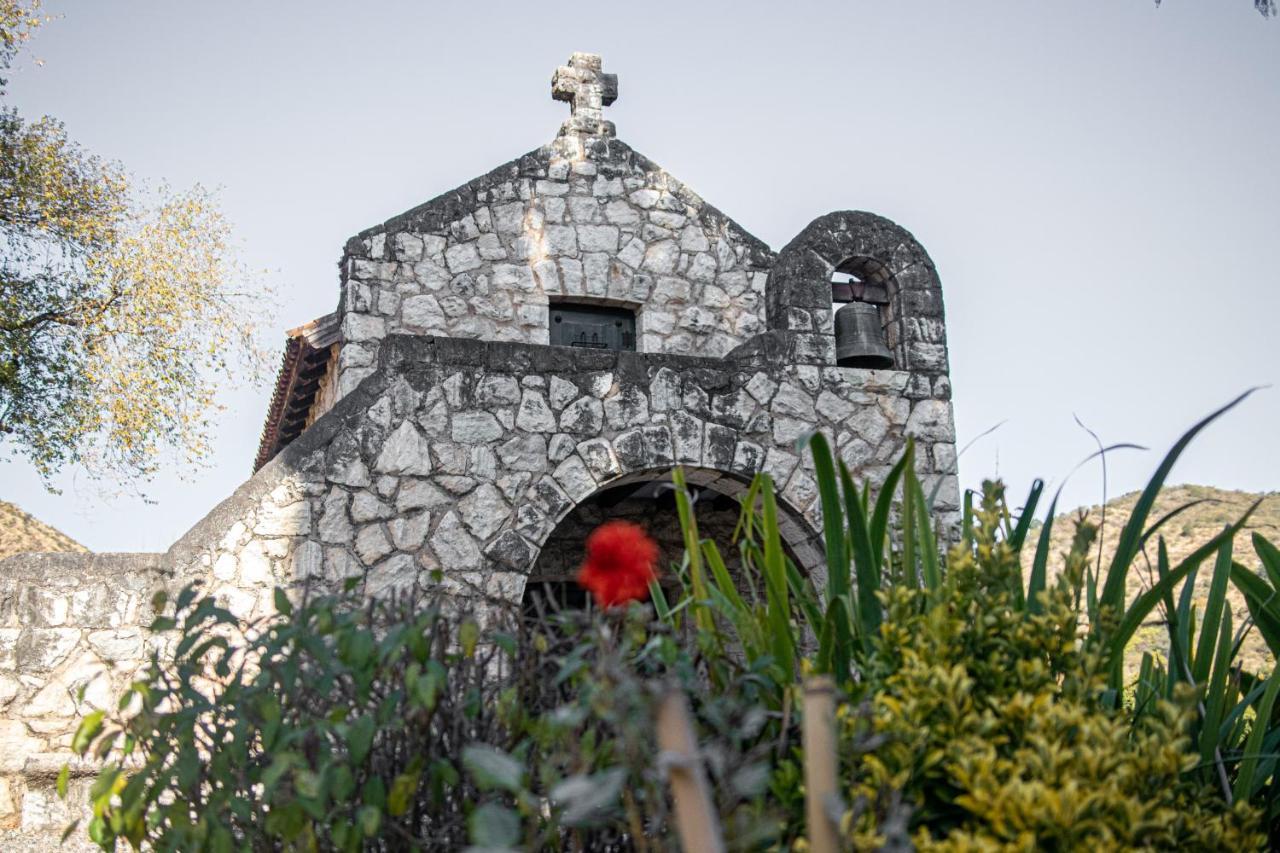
x=48, y=566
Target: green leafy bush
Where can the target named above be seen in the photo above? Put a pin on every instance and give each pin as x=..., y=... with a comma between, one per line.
x=997, y=729
x=347, y=725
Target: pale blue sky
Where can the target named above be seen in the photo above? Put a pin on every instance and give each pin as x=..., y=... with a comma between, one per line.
x=1097, y=180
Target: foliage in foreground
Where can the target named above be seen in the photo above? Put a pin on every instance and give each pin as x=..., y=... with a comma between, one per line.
x=395, y=725
x=122, y=311
x=980, y=709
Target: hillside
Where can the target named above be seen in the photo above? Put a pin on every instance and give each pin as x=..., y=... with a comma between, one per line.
x=1182, y=535
x=20, y=533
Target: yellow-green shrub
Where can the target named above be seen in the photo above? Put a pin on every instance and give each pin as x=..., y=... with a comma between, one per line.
x=994, y=729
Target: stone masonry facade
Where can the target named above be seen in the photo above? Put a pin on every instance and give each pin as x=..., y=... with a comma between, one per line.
x=608, y=228
x=456, y=439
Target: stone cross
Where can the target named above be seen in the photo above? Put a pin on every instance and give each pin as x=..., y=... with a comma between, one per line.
x=588, y=91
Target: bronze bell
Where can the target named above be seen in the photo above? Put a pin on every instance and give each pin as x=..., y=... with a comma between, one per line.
x=860, y=337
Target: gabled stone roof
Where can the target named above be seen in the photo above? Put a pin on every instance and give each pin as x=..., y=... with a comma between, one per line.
x=449, y=207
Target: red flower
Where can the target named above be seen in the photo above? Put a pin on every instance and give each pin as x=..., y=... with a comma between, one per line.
x=621, y=561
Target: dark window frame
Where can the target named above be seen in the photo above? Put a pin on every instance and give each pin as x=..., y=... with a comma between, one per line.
x=591, y=326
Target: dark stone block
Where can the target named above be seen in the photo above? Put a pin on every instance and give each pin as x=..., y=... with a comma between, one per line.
x=510, y=358
x=630, y=449
x=658, y=446
x=721, y=441
x=595, y=359
x=548, y=360
x=919, y=387
x=552, y=501
x=462, y=352
x=748, y=458
x=511, y=551
x=930, y=358
x=920, y=303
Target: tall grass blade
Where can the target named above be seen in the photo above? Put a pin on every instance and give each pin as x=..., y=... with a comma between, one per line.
x=1113, y=589
x=745, y=528
x=1166, y=518
x=908, y=563
x=1028, y=514
x=1145, y=691
x=865, y=566
x=1177, y=618
x=966, y=519
x=1263, y=602
x=835, y=647
x=1213, y=608
x=1040, y=562
x=884, y=502
x=659, y=599
x=1253, y=747
x=720, y=576
x=725, y=593
x=804, y=593
x=777, y=604
x=1185, y=618
x=1237, y=719
x=1143, y=605
x=928, y=544
x=1215, y=697
x=1270, y=556
x=697, y=577
x=832, y=517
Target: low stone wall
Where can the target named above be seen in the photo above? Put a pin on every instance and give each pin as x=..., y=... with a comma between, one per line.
x=72, y=634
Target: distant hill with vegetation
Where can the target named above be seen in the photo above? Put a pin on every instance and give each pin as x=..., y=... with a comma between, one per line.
x=21, y=533
x=1193, y=527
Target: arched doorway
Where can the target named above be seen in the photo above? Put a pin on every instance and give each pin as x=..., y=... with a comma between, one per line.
x=647, y=498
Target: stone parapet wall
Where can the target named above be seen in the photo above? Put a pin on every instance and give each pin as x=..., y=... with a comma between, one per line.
x=457, y=458
x=588, y=223
x=72, y=635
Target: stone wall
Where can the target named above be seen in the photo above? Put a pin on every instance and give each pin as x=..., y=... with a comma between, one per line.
x=594, y=223
x=72, y=634
x=459, y=457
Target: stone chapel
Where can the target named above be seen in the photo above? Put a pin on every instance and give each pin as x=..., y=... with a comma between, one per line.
x=509, y=364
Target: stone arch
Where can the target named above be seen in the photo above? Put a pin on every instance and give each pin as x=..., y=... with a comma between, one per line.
x=799, y=534
x=880, y=252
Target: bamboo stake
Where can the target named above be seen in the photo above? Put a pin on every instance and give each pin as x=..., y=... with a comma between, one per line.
x=819, y=762
x=696, y=819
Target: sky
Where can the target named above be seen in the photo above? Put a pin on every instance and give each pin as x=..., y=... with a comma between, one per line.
x=1096, y=181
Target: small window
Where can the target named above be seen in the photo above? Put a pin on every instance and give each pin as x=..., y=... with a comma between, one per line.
x=592, y=327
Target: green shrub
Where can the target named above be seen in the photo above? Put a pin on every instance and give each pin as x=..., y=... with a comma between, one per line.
x=344, y=725
x=996, y=729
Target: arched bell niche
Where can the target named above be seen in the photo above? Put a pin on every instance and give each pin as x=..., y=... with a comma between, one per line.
x=852, y=257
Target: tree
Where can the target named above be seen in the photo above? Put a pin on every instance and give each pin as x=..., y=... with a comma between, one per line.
x=122, y=311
